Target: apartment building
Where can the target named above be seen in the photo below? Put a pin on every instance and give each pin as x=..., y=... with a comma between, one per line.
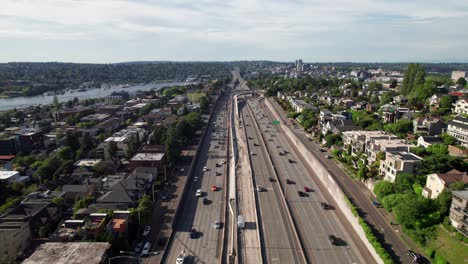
x=459, y=211
x=355, y=142
x=461, y=106
x=374, y=146
x=398, y=162
x=458, y=128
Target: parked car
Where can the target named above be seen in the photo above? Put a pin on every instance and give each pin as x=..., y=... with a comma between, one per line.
x=306, y=189
x=217, y=225
x=138, y=247
x=324, y=205
x=147, y=230
x=260, y=188
x=332, y=240
x=327, y=156
x=414, y=256
x=198, y=193
x=165, y=196
x=146, y=248
x=193, y=233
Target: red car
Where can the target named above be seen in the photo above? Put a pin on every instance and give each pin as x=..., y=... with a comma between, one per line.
x=214, y=188
x=306, y=189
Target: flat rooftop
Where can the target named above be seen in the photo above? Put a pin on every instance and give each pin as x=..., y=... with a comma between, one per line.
x=148, y=156
x=5, y=175
x=87, y=162
x=69, y=253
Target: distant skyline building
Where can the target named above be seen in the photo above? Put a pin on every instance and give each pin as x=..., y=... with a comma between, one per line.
x=299, y=65
x=458, y=74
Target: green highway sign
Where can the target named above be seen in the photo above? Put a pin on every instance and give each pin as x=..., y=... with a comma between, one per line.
x=276, y=122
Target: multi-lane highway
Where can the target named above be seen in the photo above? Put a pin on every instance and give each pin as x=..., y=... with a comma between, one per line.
x=304, y=197
x=280, y=239
x=206, y=246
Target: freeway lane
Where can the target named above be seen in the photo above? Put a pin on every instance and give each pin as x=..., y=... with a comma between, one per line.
x=314, y=223
x=356, y=191
x=279, y=243
x=207, y=247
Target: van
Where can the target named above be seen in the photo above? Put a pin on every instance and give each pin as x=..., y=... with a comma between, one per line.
x=240, y=222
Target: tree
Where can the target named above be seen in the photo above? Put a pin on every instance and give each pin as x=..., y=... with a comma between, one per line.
x=159, y=135
x=414, y=76
x=384, y=188
x=438, y=149
x=194, y=120
x=332, y=139
x=458, y=186
x=446, y=102
x=443, y=202
x=401, y=127
x=412, y=212
x=404, y=182
x=461, y=81
x=71, y=140
x=86, y=142
x=362, y=172
x=204, y=104
x=112, y=149
x=448, y=139
x=56, y=102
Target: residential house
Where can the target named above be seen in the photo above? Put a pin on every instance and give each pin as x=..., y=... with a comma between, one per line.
x=338, y=126
x=371, y=108
x=398, y=162
x=125, y=191
x=426, y=141
x=117, y=96
x=458, y=128
x=119, y=223
x=121, y=138
x=301, y=105
x=6, y=162
x=11, y=176
x=400, y=99
x=461, y=106
x=430, y=126
x=148, y=159
x=459, y=211
x=325, y=116
x=20, y=225
x=78, y=191
x=437, y=182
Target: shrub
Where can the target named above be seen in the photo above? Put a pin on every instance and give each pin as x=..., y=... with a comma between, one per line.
x=459, y=236
x=430, y=252
x=439, y=259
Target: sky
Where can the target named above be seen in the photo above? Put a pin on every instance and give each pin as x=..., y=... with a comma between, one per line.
x=106, y=31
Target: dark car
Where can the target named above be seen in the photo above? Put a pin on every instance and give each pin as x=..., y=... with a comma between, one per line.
x=291, y=161
x=193, y=233
x=324, y=205
x=301, y=193
x=288, y=181
x=306, y=189
x=332, y=240
x=206, y=201
x=271, y=179
x=414, y=256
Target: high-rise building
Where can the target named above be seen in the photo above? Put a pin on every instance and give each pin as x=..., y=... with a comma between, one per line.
x=299, y=65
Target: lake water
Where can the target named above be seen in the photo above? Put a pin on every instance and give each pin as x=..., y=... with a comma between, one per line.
x=22, y=102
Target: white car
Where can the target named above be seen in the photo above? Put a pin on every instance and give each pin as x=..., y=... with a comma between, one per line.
x=198, y=193
x=223, y=162
x=147, y=230
x=180, y=258
x=195, y=179
x=146, y=248
x=205, y=168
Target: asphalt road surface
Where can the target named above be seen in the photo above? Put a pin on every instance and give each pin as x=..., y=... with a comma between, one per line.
x=208, y=244
x=356, y=191
x=279, y=242
x=314, y=223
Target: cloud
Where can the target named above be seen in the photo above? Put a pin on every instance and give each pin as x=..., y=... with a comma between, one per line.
x=270, y=25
